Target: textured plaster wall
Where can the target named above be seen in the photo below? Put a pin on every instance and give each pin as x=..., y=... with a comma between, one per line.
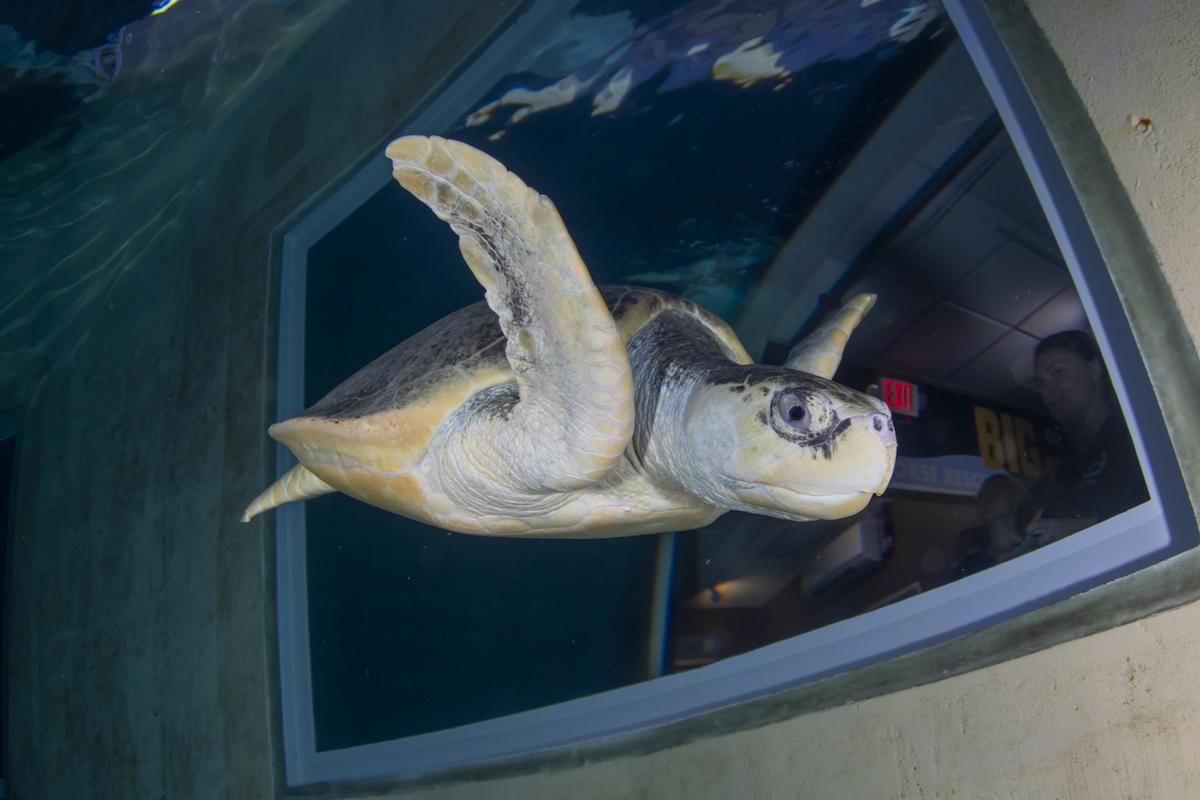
x=1133, y=59
x=1113, y=715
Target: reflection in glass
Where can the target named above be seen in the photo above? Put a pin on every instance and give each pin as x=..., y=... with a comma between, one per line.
x=1097, y=474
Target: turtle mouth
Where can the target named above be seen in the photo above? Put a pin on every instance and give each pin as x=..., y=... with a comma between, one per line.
x=780, y=501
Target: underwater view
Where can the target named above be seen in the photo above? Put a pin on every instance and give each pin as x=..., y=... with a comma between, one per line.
x=837, y=358
x=668, y=166
x=711, y=216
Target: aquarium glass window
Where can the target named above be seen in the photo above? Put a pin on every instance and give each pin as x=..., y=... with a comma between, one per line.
x=766, y=162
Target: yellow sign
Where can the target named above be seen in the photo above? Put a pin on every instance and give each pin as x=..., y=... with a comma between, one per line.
x=1008, y=442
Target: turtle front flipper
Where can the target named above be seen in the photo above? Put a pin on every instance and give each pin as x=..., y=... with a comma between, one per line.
x=575, y=412
x=820, y=352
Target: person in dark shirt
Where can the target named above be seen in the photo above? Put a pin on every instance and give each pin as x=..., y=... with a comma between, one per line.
x=1002, y=534
x=1099, y=474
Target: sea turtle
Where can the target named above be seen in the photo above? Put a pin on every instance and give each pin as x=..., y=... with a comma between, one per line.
x=570, y=411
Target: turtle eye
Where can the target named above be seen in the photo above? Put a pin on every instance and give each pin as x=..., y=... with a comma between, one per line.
x=792, y=410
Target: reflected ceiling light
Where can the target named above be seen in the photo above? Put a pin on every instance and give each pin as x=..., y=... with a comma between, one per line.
x=161, y=6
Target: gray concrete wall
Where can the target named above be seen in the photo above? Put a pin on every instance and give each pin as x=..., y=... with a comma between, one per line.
x=136, y=341
x=136, y=338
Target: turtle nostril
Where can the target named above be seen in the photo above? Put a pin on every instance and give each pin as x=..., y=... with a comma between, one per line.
x=882, y=423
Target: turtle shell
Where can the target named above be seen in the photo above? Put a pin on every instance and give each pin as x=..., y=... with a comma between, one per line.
x=380, y=421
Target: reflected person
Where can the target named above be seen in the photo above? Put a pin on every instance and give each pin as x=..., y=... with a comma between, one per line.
x=1002, y=534
x=1098, y=475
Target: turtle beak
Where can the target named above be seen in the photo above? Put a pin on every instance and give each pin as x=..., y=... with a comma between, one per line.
x=887, y=473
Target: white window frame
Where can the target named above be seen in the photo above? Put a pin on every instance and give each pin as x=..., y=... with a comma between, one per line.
x=1117, y=546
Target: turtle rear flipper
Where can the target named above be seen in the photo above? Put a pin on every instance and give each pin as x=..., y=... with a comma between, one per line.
x=296, y=484
x=575, y=413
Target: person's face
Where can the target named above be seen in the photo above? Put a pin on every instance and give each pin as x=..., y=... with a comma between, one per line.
x=1067, y=382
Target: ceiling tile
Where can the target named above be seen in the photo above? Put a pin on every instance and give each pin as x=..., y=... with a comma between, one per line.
x=1010, y=284
x=941, y=341
x=943, y=244
x=1000, y=370
x=1037, y=223
x=1064, y=312
x=1036, y=234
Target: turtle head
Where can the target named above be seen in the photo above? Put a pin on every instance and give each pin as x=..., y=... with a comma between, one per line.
x=785, y=443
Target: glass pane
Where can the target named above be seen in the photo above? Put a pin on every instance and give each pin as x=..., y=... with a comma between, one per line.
x=766, y=161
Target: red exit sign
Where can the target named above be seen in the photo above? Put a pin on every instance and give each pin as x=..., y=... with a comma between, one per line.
x=901, y=396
